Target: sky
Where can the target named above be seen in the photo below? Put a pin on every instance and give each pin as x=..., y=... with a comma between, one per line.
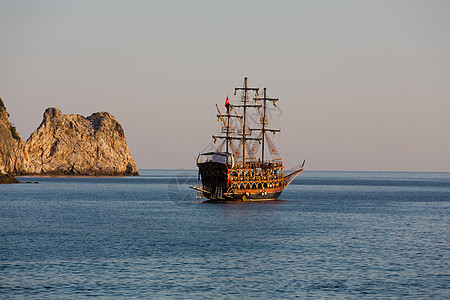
x=363, y=85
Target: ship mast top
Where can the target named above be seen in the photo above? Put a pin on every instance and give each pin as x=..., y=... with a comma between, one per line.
x=264, y=120
x=244, y=99
x=246, y=122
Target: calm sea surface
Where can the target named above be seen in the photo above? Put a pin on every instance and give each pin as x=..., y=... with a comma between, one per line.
x=335, y=235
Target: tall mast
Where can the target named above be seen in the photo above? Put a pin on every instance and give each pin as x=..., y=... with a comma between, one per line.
x=263, y=126
x=245, y=89
x=228, y=128
x=264, y=121
x=245, y=113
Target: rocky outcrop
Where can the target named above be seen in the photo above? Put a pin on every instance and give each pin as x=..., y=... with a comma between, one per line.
x=12, y=148
x=71, y=145
x=7, y=178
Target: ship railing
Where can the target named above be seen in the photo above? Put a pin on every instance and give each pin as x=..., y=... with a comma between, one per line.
x=257, y=177
x=258, y=164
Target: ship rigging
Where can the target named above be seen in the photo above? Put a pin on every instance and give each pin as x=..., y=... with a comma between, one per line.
x=250, y=167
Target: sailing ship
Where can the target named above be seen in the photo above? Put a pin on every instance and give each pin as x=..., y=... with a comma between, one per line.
x=245, y=165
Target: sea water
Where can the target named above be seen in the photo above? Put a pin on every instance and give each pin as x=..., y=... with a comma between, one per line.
x=332, y=235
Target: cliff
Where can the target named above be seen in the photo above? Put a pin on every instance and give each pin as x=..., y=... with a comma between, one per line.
x=12, y=148
x=69, y=145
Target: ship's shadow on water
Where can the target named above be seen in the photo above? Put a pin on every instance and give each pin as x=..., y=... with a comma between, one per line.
x=149, y=237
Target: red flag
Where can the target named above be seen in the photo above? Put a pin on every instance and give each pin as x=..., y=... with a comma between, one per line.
x=227, y=105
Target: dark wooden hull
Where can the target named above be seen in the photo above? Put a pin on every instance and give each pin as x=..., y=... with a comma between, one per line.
x=246, y=197
x=247, y=182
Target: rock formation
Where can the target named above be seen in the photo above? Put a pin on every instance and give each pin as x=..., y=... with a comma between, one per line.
x=7, y=178
x=12, y=148
x=67, y=145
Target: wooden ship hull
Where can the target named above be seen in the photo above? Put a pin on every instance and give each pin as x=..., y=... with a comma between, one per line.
x=236, y=174
x=245, y=182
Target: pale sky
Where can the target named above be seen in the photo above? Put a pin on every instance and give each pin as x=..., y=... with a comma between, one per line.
x=363, y=85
